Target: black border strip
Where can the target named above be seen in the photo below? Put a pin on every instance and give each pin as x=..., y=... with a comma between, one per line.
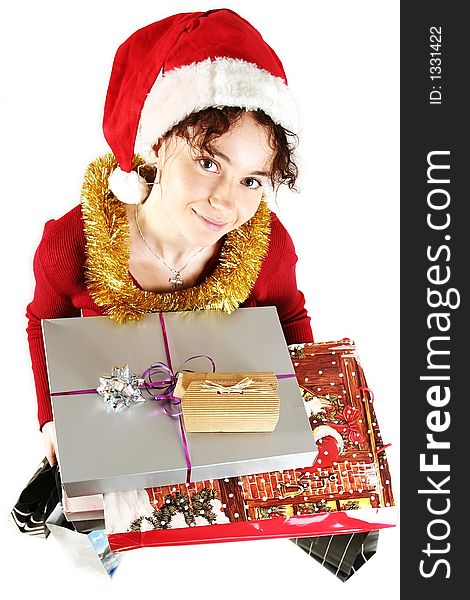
x=435, y=241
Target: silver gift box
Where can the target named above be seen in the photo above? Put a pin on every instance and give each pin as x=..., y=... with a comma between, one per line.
x=101, y=451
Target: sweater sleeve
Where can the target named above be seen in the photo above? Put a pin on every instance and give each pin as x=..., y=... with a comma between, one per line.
x=277, y=286
x=48, y=302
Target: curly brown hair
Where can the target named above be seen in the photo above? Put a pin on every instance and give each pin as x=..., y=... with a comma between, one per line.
x=201, y=128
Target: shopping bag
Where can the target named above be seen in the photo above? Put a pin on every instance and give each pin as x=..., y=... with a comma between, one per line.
x=37, y=501
x=341, y=554
x=87, y=549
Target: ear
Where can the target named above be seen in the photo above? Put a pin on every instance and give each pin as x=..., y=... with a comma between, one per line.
x=154, y=152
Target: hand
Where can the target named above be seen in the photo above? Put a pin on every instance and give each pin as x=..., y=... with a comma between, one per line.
x=50, y=442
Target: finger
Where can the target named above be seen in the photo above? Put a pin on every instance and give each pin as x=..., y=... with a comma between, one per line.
x=50, y=455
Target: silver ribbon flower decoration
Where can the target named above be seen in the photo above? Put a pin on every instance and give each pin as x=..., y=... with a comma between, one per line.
x=121, y=388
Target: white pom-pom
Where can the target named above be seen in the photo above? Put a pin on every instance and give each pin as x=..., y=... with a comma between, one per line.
x=129, y=188
x=313, y=406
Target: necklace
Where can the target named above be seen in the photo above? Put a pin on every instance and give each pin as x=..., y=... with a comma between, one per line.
x=176, y=281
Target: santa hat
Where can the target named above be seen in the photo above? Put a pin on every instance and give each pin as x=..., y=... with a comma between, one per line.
x=185, y=63
x=329, y=445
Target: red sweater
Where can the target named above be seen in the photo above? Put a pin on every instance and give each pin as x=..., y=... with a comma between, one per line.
x=61, y=290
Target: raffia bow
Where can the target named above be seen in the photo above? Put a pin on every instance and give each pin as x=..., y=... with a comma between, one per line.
x=212, y=386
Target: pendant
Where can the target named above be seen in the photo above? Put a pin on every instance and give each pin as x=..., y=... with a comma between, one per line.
x=175, y=280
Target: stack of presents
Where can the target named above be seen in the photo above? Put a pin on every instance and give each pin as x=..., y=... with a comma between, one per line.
x=198, y=427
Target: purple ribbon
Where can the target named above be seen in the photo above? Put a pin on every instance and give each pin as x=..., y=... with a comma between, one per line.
x=172, y=404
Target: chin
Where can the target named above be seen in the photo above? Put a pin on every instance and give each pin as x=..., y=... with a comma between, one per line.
x=208, y=241
x=206, y=237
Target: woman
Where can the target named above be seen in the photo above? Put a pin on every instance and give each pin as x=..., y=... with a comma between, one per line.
x=206, y=102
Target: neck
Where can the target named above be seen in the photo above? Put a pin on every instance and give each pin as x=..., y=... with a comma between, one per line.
x=159, y=230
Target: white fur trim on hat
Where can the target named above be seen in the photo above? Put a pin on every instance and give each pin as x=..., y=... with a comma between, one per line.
x=324, y=431
x=129, y=188
x=219, y=82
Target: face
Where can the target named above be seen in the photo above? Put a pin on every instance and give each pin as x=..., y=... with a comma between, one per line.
x=204, y=196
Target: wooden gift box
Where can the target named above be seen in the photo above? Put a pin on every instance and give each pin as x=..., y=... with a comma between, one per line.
x=352, y=494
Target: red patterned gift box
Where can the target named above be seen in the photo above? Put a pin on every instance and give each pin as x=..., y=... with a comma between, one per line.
x=348, y=489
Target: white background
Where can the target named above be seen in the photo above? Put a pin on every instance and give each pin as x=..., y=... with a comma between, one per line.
x=342, y=62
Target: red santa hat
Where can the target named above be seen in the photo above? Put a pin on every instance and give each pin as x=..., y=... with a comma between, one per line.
x=185, y=63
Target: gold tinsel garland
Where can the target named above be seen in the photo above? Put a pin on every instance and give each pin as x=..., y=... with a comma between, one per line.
x=108, y=252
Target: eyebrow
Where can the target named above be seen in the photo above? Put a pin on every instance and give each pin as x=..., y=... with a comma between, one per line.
x=227, y=159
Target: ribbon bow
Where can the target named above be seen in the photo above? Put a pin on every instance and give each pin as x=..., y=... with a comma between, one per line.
x=351, y=428
x=212, y=386
x=166, y=386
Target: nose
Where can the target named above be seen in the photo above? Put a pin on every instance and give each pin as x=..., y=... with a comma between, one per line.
x=223, y=199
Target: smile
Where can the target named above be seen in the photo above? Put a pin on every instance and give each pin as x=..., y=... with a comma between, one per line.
x=212, y=224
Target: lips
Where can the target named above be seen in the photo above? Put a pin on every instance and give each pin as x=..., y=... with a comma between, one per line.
x=211, y=223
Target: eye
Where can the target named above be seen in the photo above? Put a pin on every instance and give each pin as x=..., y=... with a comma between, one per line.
x=208, y=165
x=251, y=182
